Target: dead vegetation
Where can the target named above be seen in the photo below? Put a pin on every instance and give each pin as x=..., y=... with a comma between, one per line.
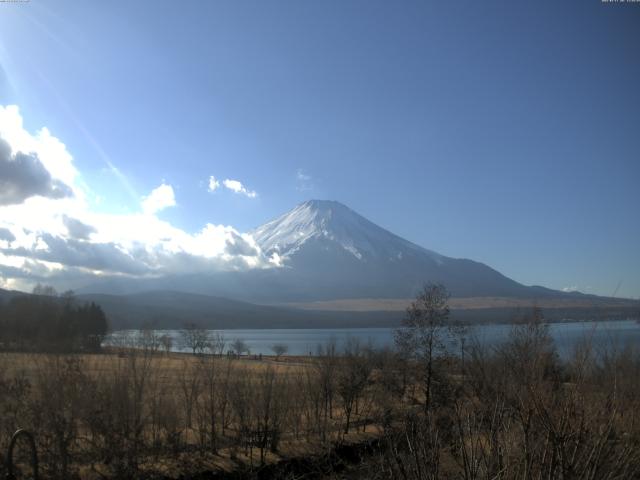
x=137, y=411
x=512, y=412
x=517, y=412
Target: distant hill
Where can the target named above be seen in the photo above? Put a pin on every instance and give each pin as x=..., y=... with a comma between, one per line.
x=173, y=309
x=6, y=295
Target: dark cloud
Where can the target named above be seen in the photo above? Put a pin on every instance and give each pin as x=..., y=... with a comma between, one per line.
x=34, y=271
x=80, y=255
x=187, y=263
x=14, y=272
x=77, y=253
x=77, y=229
x=239, y=246
x=5, y=234
x=81, y=258
x=23, y=175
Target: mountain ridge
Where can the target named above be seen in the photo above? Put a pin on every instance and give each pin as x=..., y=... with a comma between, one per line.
x=173, y=309
x=325, y=242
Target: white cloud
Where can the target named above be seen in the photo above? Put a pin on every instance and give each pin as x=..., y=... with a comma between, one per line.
x=304, y=182
x=63, y=240
x=237, y=187
x=573, y=288
x=300, y=175
x=213, y=184
x=160, y=198
x=577, y=288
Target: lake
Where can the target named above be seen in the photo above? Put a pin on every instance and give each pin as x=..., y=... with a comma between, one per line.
x=567, y=335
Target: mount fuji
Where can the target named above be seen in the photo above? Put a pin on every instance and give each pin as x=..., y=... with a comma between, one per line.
x=326, y=251
x=329, y=223
x=330, y=251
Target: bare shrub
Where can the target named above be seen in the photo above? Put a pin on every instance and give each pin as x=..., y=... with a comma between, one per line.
x=326, y=366
x=411, y=452
x=59, y=403
x=279, y=349
x=353, y=377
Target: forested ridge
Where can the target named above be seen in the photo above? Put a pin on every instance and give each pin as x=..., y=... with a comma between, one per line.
x=47, y=321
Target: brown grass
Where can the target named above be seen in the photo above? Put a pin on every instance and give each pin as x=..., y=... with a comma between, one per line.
x=462, y=303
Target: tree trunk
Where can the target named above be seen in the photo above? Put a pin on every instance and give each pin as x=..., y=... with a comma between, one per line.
x=429, y=376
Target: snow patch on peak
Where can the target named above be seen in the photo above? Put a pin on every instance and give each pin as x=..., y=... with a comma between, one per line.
x=331, y=222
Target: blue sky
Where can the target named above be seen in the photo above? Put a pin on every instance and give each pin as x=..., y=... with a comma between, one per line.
x=505, y=132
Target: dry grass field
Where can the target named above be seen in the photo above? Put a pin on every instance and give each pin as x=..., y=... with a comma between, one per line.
x=462, y=303
x=147, y=411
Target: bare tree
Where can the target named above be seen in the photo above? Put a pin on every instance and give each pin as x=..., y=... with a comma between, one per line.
x=326, y=366
x=207, y=407
x=270, y=401
x=190, y=387
x=353, y=375
x=239, y=346
x=148, y=339
x=217, y=343
x=279, y=349
x=167, y=343
x=44, y=290
x=423, y=331
x=195, y=338
x=392, y=379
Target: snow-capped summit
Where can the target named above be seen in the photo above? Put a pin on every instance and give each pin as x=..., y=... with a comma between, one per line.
x=331, y=224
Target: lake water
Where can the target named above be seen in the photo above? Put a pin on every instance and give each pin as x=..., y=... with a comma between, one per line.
x=305, y=341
